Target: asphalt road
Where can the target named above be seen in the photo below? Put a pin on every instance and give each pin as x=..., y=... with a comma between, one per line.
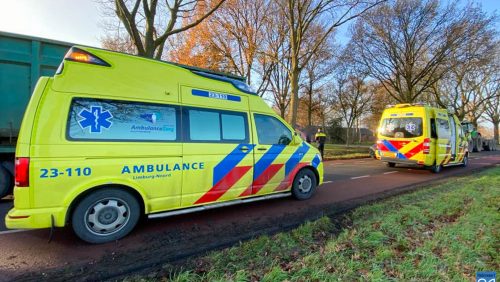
x=347, y=180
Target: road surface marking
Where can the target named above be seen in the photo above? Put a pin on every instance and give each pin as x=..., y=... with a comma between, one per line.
x=389, y=172
x=475, y=158
x=358, y=177
x=13, y=231
x=324, y=182
x=483, y=163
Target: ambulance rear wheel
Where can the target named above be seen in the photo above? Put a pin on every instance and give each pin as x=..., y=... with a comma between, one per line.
x=105, y=215
x=304, y=184
x=465, y=161
x=391, y=164
x=436, y=168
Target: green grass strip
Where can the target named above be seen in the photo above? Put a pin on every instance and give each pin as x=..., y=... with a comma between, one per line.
x=446, y=232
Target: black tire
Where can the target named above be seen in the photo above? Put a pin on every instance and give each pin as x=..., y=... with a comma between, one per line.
x=391, y=164
x=465, y=161
x=304, y=184
x=113, y=204
x=436, y=168
x=372, y=154
x=6, y=182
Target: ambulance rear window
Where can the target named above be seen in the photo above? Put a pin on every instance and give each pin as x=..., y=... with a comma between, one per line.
x=401, y=127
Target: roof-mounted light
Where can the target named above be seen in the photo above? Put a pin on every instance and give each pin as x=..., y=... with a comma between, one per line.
x=239, y=84
x=78, y=55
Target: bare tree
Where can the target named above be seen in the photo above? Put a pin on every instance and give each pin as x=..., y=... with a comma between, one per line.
x=406, y=44
x=493, y=113
x=492, y=89
x=301, y=16
x=318, y=68
x=470, y=71
x=149, y=23
x=351, y=91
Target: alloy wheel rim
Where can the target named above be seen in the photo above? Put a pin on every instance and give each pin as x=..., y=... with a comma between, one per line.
x=305, y=184
x=107, y=216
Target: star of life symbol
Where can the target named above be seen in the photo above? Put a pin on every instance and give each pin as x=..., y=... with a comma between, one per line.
x=410, y=127
x=95, y=119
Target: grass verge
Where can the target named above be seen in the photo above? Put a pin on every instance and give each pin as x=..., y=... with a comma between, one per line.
x=340, y=152
x=445, y=232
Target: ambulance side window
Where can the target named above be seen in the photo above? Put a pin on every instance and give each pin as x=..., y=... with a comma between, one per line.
x=208, y=125
x=271, y=131
x=122, y=121
x=443, y=128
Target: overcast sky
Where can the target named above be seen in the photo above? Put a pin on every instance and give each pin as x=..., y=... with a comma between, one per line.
x=75, y=21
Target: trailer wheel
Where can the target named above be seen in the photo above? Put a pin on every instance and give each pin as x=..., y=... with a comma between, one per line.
x=105, y=215
x=6, y=182
x=389, y=164
x=304, y=184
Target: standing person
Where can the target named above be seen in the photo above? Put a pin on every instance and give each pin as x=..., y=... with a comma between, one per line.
x=320, y=139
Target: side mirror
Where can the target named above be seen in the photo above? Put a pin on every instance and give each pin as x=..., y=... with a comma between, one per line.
x=297, y=140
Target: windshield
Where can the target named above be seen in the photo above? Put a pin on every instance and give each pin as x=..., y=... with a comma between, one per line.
x=401, y=127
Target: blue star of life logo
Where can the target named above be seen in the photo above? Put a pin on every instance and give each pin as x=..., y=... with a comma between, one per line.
x=95, y=119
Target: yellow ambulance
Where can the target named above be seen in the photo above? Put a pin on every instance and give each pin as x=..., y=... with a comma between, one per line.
x=418, y=134
x=113, y=136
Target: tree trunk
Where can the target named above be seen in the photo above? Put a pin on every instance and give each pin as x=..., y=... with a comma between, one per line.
x=495, y=128
x=294, y=99
x=347, y=138
x=309, y=108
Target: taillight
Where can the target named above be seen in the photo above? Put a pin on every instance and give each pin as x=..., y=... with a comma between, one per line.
x=22, y=172
x=426, y=146
x=78, y=55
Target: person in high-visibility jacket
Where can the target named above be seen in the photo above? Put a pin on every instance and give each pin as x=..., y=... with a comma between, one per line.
x=320, y=139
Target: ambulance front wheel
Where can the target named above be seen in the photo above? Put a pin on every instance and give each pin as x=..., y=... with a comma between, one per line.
x=304, y=184
x=105, y=215
x=389, y=164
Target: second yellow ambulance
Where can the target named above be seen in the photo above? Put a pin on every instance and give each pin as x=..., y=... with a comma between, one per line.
x=417, y=134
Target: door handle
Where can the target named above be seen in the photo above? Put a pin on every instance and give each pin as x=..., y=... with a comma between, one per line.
x=244, y=148
x=262, y=149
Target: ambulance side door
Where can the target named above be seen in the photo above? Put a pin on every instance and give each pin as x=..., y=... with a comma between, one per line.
x=273, y=148
x=443, y=144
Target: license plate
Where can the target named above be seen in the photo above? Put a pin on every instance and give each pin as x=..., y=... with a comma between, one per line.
x=389, y=154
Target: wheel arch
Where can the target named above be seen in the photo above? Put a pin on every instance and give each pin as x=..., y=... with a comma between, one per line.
x=313, y=169
x=136, y=193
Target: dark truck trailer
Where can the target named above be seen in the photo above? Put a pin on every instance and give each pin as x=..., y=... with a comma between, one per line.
x=23, y=59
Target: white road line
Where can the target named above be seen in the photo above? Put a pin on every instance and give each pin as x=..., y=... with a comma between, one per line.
x=389, y=172
x=483, y=163
x=358, y=177
x=475, y=158
x=324, y=182
x=13, y=231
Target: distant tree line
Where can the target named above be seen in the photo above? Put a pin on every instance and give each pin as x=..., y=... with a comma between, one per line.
x=444, y=53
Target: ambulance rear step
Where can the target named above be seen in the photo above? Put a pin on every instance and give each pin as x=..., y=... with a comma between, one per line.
x=218, y=205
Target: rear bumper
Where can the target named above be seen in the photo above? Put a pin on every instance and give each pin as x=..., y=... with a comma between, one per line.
x=35, y=218
x=400, y=161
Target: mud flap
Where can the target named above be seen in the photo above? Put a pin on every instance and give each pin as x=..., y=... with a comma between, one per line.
x=52, y=228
